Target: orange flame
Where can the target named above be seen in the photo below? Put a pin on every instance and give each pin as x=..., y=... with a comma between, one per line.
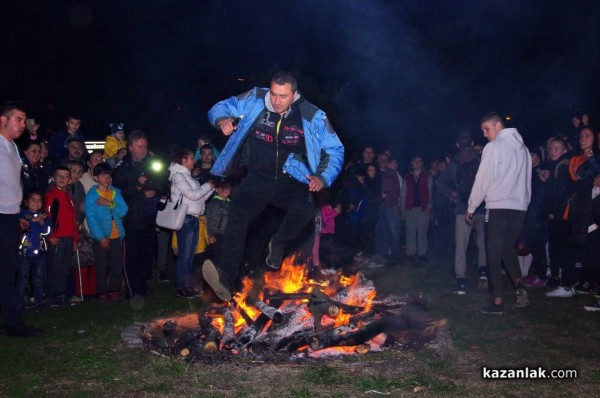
x=218, y=322
x=342, y=319
x=240, y=298
x=291, y=278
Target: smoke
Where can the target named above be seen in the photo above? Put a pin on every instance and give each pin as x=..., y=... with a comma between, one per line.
x=400, y=75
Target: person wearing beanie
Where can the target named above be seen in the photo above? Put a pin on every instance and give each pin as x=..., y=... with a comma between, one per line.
x=114, y=142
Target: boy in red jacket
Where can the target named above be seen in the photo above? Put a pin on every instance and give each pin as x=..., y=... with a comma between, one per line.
x=61, y=209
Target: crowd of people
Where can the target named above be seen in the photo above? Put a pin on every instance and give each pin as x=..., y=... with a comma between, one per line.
x=553, y=193
x=533, y=209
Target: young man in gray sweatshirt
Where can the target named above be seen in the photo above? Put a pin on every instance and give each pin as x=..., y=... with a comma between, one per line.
x=504, y=182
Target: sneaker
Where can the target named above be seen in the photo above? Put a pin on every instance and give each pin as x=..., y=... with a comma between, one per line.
x=593, y=307
x=460, y=288
x=162, y=277
x=275, y=257
x=534, y=281
x=596, y=293
x=210, y=272
x=75, y=299
x=483, y=278
x=58, y=301
x=583, y=288
x=22, y=329
x=185, y=293
x=522, y=300
x=560, y=292
x=553, y=282
x=497, y=309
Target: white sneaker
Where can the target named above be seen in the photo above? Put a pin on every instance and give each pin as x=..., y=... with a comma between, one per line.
x=594, y=307
x=560, y=292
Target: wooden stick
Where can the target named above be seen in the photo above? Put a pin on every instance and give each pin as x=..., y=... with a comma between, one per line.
x=271, y=312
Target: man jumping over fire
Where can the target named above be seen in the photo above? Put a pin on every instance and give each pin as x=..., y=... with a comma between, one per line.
x=287, y=145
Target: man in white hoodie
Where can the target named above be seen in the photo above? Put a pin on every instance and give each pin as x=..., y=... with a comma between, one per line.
x=504, y=182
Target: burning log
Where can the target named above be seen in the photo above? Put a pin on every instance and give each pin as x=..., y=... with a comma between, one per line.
x=278, y=295
x=356, y=294
x=295, y=342
x=300, y=320
x=169, y=331
x=319, y=304
x=211, y=334
x=257, y=326
x=342, y=336
x=220, y=311
x=213, y=338
x=228, y=330
x=242, y=312
x=183, y=342
x=270, y=312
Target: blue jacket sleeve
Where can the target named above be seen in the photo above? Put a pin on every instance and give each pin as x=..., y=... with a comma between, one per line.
x=92, y=216
x=332, y=152
x=230, y=107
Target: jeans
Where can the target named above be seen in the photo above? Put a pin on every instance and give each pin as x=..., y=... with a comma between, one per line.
x=35, y=268
x=187, y=240
x=387, y=238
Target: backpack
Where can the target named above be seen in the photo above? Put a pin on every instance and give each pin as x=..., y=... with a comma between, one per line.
x=465, y=177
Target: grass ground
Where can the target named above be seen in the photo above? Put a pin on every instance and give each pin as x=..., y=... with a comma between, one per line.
x=80, y=354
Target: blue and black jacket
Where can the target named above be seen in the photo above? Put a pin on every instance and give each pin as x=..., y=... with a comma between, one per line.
x=324, y=155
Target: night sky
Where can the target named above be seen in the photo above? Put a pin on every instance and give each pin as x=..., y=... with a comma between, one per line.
x=405, y=75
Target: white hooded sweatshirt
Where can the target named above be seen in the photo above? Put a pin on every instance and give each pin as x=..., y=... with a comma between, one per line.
x=194, y=194
x=504, y=176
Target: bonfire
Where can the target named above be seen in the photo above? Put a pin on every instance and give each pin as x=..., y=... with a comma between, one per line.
x=289, y=312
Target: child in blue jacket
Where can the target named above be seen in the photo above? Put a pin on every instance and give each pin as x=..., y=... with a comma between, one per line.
x=32, y=249
x=104, y=209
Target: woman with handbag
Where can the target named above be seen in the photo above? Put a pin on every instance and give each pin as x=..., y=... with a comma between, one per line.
x=186, y=190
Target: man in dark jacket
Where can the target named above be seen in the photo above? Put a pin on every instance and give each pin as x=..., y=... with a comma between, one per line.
x=141, y=191
x=447, y=186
